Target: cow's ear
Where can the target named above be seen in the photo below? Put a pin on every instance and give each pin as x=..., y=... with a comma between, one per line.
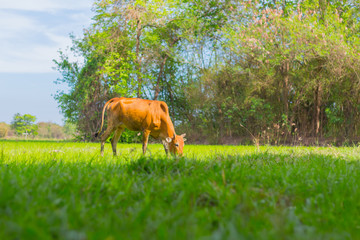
x=183, y=135
x=184, y=139
x=168, y=139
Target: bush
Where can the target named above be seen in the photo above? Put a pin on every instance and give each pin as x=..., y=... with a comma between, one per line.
x=4, y=130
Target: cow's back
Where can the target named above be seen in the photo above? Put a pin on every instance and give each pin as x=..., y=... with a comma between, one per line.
x=139, y=114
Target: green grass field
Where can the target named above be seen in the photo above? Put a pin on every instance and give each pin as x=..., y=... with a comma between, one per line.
x=52, y=190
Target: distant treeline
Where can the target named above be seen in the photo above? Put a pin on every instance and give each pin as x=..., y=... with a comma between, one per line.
x=231, y=71
x=45, y=130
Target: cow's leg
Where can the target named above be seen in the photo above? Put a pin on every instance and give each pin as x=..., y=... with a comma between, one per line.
x=145, y=140
x=116, y=138
x=105, y=136
x=165, y=144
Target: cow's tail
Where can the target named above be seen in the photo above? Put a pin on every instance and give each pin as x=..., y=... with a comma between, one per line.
x=102, y=117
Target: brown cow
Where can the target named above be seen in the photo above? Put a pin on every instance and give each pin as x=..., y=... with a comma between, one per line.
x=149, y=116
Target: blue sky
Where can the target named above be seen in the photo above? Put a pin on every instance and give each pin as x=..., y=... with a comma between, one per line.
x=31, y=33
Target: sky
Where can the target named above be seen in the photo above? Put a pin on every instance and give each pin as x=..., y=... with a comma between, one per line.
x=31, y=34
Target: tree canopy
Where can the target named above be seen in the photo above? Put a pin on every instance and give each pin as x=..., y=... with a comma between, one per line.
x=24, y=124
x=282, y=70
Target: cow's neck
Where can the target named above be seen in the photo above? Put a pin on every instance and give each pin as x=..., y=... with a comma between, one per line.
x=169, y=130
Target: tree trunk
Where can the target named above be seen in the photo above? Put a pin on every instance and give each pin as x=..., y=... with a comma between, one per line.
x=157, y=87
x=286, y=94
x=138, y=60
x=162, y=66
x=285, y=72
x=318, y=95
x=322, y=7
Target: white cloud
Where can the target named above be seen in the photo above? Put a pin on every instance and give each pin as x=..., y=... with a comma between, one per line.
x=11, y=24
x=44, y=5
x=30, y=40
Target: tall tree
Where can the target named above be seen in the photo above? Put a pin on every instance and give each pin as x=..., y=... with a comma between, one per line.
x=280, y=68
x=24, y=124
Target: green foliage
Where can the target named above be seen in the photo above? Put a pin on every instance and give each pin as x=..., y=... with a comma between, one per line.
x=117, y=71
x=130, y=137
x=67, y=191
x=43, y=130
x=48, y=130
x=298, y=60
x=70, y=129
x=221, y=63
x=24, y=124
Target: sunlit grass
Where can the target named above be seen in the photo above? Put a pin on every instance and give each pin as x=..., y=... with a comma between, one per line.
x=62, y=190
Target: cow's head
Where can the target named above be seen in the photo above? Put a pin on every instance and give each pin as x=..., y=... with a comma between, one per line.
x=176, y=144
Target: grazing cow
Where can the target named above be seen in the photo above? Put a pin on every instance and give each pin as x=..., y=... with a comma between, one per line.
x=149, y=116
